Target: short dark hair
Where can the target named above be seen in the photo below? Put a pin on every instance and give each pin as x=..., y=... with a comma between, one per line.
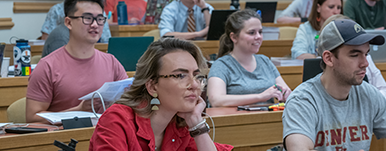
x=334, y=51
x=70, y=5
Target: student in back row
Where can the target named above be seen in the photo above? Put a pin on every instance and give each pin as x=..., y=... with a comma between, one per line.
x=239, y=76
x=75, y=69
x=55, y=19
x=185, y=19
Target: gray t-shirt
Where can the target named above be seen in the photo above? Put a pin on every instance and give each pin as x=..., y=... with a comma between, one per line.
x=332, y=124
x=58, y=38
x=240, y=81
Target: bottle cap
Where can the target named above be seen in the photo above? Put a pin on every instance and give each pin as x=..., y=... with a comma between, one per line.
x=21, y=40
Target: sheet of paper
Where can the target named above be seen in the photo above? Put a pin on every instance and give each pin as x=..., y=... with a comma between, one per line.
x=56, y=117
x=4, y=124
x=110, y=91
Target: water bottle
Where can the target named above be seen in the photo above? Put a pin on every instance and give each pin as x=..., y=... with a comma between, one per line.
x=22, y=58
x=316, y=45
x=122, y=13
x=235, y=5
x=258, y=12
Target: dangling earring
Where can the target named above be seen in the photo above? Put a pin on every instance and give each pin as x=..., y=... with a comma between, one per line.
x=155, y=102
x=318, y=19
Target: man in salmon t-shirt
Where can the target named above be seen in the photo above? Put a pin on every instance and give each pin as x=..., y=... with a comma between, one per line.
x=75, y=69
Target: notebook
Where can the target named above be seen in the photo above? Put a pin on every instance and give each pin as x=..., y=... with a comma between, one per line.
x=268, y=10
x=217, y=23
x=128, y=49
x=378, y=52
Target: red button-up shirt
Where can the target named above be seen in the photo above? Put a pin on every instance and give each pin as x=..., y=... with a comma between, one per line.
x=119, y=128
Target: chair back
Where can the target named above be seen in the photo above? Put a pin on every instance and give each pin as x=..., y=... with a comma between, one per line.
x=128, y=50
x=287, y=33
x=16, y=111
x=153, y=33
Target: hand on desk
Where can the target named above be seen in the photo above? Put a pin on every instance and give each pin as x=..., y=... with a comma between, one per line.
x=272, y=92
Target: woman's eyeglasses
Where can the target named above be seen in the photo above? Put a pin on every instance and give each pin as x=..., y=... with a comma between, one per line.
x=184, y=79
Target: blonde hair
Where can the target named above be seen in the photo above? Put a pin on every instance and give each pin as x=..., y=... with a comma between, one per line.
x=148, y=68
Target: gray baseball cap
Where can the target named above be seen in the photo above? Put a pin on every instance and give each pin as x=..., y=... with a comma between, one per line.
x=345, y=31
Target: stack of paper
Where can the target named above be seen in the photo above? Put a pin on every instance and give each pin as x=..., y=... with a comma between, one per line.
x=57, y=117
x=270, y=33
x=283, y=61
x=110, y=91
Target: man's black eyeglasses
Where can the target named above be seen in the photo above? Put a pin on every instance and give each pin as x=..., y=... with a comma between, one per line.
x=89, y=19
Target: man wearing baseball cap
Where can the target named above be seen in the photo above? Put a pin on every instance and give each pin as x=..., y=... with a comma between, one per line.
x=335, y=110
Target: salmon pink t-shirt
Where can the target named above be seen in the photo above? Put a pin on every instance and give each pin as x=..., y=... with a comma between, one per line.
x=60, y=79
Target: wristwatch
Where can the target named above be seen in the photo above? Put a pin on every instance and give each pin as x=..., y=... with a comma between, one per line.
x=203, y=9
x=199, y=131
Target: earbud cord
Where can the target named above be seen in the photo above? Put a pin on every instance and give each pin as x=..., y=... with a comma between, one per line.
x=214, y=130
x=92, y=103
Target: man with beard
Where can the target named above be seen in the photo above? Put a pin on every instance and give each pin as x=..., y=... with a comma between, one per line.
x=370, y=14
x=335, y=110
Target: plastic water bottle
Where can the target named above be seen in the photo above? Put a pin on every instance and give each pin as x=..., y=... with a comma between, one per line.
x=22, y=58
x=122, y=13
x=235, y=5
x=316, y=45
x=259, y=13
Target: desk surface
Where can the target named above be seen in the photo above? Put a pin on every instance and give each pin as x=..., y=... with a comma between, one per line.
x=270, y=48
x=12, y=89
x=233, y=127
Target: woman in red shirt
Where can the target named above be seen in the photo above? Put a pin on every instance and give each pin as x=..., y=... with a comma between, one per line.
x=162, y=110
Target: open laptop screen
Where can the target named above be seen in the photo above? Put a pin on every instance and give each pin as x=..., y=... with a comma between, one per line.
x=268, y=10
x=217, y=23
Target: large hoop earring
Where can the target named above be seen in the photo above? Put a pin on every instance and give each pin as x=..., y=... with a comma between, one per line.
x=318, y=19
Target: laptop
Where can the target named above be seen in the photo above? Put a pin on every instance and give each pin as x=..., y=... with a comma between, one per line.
x=2, y=47
x=378, y=52
x=128, y=50
x=268, y=10
x=217, y=23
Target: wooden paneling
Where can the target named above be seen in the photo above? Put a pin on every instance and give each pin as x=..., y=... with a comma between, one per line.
x=130, y=30
x=11, y=89
x=6, y=23
x=32, y=7
x=45, y=140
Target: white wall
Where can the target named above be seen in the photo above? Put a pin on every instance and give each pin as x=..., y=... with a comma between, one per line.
x=27, y=25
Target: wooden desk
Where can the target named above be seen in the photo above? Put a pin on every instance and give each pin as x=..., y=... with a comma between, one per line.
x=38, y=50
x=270, y=48
x=246, y=131
x=12, y=89
x=130, y=30
x=238, y=128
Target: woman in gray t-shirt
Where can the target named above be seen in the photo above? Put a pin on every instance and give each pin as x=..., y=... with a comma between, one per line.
x=239, y=76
